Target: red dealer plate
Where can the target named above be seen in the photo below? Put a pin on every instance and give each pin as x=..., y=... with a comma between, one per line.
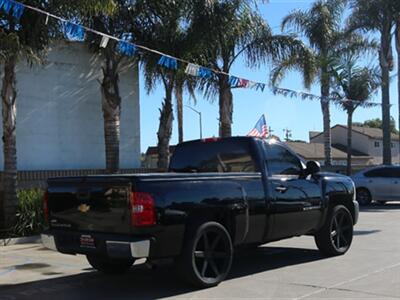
x=86, y=241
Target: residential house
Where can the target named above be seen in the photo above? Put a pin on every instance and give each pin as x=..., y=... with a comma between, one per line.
x=366, y=141
x=315, y=151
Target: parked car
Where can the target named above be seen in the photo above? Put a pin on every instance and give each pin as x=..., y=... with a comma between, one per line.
x=380, y=184
x=218, y=195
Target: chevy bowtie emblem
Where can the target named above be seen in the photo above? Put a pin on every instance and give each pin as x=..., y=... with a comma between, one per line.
x=83, y=208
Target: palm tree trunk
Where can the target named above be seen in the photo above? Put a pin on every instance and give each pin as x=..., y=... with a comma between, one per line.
x=349, y=140
x=398, y=67
x=325, y=91
x=165, y=128
x=179, y=108
x=386, y=63
x=111, y=105
x=9, y=97
x=225, y=107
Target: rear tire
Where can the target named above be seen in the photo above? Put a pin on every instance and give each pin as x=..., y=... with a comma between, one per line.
x=207, y=255
x=336, y=235
x=110, y=266
x=363, y=196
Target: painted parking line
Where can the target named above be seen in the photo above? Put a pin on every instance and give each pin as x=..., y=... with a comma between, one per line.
x=349, y=281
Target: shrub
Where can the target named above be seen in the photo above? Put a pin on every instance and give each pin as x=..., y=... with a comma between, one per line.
x=30, y=218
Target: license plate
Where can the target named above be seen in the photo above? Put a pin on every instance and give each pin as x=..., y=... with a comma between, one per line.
x=87, y=241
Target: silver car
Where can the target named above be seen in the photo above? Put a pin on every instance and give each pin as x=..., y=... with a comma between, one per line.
x=380, y=184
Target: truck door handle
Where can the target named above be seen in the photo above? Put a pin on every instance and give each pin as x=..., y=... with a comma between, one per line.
x=281, y=189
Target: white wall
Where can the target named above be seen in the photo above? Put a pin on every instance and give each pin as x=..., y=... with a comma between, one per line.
x=59, y=116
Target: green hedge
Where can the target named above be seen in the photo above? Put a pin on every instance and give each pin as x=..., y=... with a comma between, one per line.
x=30, y=218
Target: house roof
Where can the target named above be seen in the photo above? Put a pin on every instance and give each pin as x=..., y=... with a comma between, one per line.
x=354, y=152
x=316, y=151
x=373, y=133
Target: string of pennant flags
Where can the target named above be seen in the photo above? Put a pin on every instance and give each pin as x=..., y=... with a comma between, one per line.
x=126, y=47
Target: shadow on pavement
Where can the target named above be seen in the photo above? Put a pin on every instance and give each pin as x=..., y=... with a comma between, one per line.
x=144, y=283
x=366, y=232
x=376, y=207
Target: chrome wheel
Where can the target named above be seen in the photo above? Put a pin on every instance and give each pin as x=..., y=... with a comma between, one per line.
x=212, y=255
x=341, y=230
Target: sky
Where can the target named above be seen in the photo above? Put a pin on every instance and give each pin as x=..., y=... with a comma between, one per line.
x=299, y=116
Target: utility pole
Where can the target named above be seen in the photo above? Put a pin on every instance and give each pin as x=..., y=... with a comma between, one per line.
x=270, y=131
x=287, y=134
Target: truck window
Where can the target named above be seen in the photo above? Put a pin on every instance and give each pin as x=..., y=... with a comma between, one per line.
x=281, y=161
x=222, y=156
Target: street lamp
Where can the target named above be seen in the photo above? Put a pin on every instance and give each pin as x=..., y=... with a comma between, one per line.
x=199, y=113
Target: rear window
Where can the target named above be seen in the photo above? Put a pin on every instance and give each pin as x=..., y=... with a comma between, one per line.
x=223, y=156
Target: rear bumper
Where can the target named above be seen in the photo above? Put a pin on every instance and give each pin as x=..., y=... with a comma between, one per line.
x=113, y=246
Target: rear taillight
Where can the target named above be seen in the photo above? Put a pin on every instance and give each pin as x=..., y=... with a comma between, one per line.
x=46, y=205
x=210, y=140
x=142, y=209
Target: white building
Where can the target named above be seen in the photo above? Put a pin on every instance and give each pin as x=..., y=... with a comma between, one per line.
x=59, y=114
x=366, y=141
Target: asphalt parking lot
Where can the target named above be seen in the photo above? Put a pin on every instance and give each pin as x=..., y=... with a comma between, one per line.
x=291, y=269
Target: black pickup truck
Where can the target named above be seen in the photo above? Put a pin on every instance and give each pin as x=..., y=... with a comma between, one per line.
x=219, y=194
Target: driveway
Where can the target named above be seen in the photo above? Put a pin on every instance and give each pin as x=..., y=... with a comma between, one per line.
x=291, y=269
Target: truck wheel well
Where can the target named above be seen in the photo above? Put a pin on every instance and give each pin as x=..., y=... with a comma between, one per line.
x=223, y=218
x=345, y=201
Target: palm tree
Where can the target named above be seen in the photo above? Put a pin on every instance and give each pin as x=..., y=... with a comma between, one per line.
x=225, y=31
x=379, y=16
x=161, y=25
x=119, y=23
x=397, y=38
x=183, y=82
x=356, y=84
x=20, y=39
x=321, y=27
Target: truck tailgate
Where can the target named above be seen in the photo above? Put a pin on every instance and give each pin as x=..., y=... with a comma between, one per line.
x=97, y=204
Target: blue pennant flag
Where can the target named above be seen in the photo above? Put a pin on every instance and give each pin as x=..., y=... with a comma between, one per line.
x=168, y=62
x=260, y=86
x=204, y=72
x=233, y=81
x=74, y=31
x=18, y=10
x=126, y=48
x=6, y=5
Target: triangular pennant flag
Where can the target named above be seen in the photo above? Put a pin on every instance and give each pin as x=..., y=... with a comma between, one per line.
x=18, y=10
x=233, y=81
x=104, y=41
x=168, y=62
x=205, y=72
x=192, y=69
x=260, y=86
x=251, y=84
x=126, y=48
x=7, y=6
x=74, y=31
x=243, y=83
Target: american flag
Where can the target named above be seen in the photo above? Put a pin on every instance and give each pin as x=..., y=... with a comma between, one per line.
x=261, y=129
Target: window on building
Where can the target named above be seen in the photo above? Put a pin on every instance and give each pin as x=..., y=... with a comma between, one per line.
x=392, y=145
x=377, y=144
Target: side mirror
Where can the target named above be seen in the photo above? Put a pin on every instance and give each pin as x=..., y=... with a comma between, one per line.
x=313, y=167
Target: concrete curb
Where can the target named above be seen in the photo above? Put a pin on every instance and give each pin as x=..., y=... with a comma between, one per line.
x=35, y=239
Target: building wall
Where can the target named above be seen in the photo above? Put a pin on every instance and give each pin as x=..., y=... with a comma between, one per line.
x=59, y=115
